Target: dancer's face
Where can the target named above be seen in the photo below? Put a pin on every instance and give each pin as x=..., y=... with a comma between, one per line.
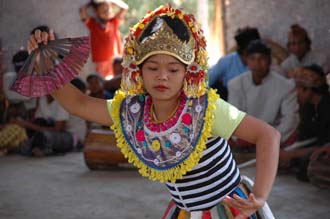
x=163, y=76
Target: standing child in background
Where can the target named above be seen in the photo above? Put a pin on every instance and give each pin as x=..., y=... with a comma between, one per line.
x=104, y=32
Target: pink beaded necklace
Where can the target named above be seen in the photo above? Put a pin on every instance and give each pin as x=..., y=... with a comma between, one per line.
x=157, y=126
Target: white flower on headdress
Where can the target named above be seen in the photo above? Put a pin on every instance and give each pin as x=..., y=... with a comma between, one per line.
x=139, y=151
x=178, y=154
x=135, y=108
x=194, y=68
x=198, y=108
x=175, y=138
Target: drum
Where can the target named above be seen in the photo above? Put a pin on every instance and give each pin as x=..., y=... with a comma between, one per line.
x=100, y=150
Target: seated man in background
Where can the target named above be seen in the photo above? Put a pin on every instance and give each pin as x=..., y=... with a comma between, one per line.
x=96, y=87
x=233, y=64
x=18, y=105
x=301, y=54
x=314, y=99
x=13, y=136
x=265, y=94
x=54, y=130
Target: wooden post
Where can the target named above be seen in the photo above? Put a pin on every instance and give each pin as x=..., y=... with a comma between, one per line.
x=217, y=39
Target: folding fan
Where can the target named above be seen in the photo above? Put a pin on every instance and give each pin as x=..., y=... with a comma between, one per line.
x=51, y=66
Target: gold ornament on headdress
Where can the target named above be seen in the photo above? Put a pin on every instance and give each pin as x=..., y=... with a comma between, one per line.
x=164, y=41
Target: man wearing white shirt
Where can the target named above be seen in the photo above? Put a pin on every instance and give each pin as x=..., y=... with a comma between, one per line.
x=15, y=99
x=265, y=94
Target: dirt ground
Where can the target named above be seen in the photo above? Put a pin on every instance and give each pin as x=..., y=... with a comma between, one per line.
x=63, y=187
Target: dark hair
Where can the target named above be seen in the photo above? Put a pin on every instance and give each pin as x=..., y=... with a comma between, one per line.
x=43, y=28
x=19, y=59
x=176, y=24
x=318, y=70
x=95, y=4
x=117, y=60
x=297, y=31
x=244, y=36
x=94, y=75
x=258, y=46
x=78, y=83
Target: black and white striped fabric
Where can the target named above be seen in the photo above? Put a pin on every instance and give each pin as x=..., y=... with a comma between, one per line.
x=215, y=176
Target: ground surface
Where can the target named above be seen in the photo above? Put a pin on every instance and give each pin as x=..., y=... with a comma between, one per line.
x=63, y=187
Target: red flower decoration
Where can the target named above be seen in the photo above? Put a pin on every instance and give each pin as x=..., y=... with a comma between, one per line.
x=187, y=119
x=140, y=135
x=132, y=66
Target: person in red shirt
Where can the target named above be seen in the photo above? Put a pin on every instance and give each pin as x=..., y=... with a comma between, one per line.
x=104, y=32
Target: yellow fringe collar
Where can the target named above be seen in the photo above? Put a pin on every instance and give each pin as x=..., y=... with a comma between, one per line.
x=173, y=173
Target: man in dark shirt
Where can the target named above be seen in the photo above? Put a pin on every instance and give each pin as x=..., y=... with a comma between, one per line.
x=314, y=98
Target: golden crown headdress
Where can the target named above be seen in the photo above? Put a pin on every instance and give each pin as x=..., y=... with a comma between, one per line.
x=164, y=41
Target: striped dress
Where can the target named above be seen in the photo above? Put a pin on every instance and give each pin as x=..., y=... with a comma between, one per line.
x=215, y=176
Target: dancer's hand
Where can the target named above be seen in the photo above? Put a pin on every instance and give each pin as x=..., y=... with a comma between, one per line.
x=246, y=206
x=39, y=37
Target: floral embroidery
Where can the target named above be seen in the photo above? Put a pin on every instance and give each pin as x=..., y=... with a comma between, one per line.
x=168, y=155
x=198, y=108
x=135, y=108
x=175, y=138
x=155, y=145
x=128, y=128
x=140, y=135
x=167, y=144
x=186, y=119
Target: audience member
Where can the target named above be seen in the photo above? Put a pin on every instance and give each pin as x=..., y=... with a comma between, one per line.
x=233, y=64
x=18, y=105
x=265, y=94
x=314, y=99
x=104, y=32
x=114, y=83
x=95, y=87
x=299, y=45
x=49, y=133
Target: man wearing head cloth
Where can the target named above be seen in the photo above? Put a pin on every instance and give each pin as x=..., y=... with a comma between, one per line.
x=314, y=99
x=301, y=54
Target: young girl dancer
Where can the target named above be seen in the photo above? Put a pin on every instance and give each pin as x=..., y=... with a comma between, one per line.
x=171, y=126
